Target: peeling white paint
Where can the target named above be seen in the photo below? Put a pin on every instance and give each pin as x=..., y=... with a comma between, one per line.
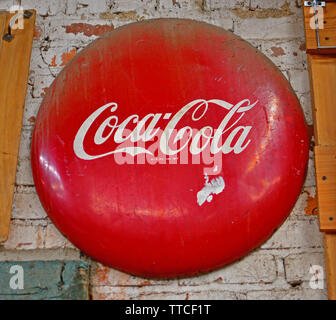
x=215, y=186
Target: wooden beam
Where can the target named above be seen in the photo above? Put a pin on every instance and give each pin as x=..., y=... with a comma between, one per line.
x=14, y=66
x=322, y=71
x=325, y=164
x=330, y=259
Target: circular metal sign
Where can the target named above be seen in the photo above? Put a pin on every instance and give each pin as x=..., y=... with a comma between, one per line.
x=169, y=147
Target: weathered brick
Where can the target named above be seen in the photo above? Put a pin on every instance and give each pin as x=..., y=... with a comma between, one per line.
x=56, y=7
x=296, y=234
x=25, y=144
x=150, y=293
x=306, y=204
x=6, y=4
x=298, y=266
x=285, y=54
x=209, y=5
x=271, y=28
x=104, y=276
x=30, y=112
x=26, y=205
x=41, y=7
x=54, y=239
x=71, y=7
x=25, y=236
x=24, y=174
x=254, y=268
x=96, y=6
x=88, y=29
x=299, y=80
x=130, y=5
x=288, y=294
x=41, y=85
x=310, y=179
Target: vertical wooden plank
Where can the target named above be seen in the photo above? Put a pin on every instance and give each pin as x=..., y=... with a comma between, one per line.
x=14, y=68
x=330, y=258
x=322, y=71
x=2, y=25
x=323, y=84
x=325, y=166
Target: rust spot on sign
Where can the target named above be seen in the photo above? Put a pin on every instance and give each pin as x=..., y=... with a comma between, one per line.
x=88, y=29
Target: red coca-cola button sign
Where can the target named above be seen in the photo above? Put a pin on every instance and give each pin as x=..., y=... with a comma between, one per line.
x=169, y=147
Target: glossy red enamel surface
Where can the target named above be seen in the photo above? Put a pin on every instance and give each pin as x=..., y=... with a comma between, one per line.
x=165, y=220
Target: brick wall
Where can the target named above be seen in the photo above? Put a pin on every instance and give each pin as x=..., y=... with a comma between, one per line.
x=279, y=269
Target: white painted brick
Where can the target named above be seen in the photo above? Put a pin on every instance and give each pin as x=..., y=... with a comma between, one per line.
x=54, y=239
x=96, y=6
x=56, y=7
x=299, y=208
x=306, y=104
x=271, y=4
x=298, y=266
x=285, y=54
x=131, y=5
x=25, y=143
x=41, y=7
x=178, y=4
x=30, y=112
x=162, y=293
x=271, y=28
x=71, y=6
x=24, y=237
x=299, y=80
x=310, y=179
x=41, y=84
x=220, y=4
x=26, y=205
x=6, y=4
x=24, y=174
x=288, y=294
x=254, y=268
x=104, y=276
x=296, y=234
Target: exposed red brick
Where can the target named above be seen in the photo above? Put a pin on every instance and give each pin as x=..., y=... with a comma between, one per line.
x=67, y=56
x=44, y=91
x=277, y=51
x=37, y=32
x=53, y=62
x=88, y=29
x=32, y=120
x=311, y=207
x=102, y=273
